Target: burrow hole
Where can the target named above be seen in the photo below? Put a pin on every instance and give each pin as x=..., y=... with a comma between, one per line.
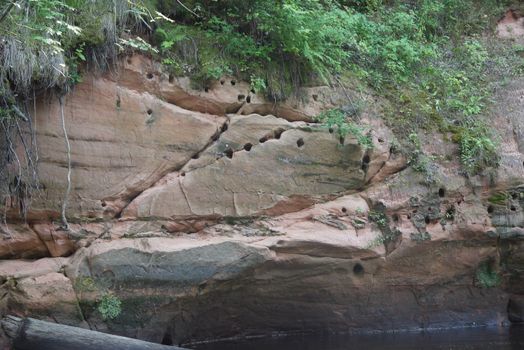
x=196, y=156
x=263, y=139
x=233, y=82
x=149, y=75
x=300, y=142
x=171, y=78
x=331, y=130
x=358, y=269
x=278, y=133
x=490, y=209
x=513, y=208
x=365, y=162
x=149, y=111
x=441, y=192
x=248, y=146
x=222, y=82
x=224, y=128
x=167, y=339
x=341, y=140
x=427, y=220
x=229, y=153
x=248, y=99
x=241, y=97
x=344, y=210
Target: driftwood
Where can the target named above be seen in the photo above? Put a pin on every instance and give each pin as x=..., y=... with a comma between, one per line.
x=31, y=334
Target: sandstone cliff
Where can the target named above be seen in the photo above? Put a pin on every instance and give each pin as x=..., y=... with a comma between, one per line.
x=216, y=213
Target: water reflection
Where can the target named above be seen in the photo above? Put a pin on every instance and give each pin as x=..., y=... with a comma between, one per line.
x=462, y=339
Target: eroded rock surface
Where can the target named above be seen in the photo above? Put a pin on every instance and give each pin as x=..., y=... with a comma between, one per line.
x=217, y=213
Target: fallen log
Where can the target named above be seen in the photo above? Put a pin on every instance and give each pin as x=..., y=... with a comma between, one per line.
x=32, y=334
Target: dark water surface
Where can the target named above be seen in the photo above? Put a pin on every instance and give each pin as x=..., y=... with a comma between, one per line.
x=511, y=338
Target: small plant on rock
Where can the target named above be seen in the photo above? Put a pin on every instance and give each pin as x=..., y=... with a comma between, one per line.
x=109, y=306
x=486, y=275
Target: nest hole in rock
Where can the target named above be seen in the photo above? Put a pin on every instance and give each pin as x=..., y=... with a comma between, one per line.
x=149, y=75
x=248, y=99
x=171, y=78
x=441, y=192
x=427, y=220
x=241, y=97
x=278, y=133
x=358, y=269
x=395, y=217
x=300, y=142
x=167, y=339
x=490, y=209
x=513, y=208
x=233, y=82
x=222, y=82
x=341, y=140
x=206, y=89
x=149, y=111
x=229, y=153
x=224, y=128
x=183, y=174
x=263, y=139
x=315, y=97
x=248, y=147
x=331, y=130
x=344, y=210
x=104, y=204
x=196, y=156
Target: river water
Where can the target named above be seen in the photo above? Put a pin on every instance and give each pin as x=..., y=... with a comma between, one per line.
x=511, y=338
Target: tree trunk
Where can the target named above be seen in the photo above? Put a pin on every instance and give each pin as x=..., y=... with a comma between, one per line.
x=31, y=334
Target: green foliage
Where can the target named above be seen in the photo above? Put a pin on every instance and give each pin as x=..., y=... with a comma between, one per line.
x=477, y=149
x=257, y=84
x=499, y=198
x=109, y=306
x=487, y=276
x=379, y=218
x=336, y=119
x=138, y=44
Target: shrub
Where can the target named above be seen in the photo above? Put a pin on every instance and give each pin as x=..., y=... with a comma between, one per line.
x=109, y=306
x=336, y=119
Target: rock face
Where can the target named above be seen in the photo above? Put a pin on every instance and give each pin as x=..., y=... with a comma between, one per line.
x=209, y=214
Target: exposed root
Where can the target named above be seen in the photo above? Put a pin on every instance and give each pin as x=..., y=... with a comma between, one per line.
x=68, y=153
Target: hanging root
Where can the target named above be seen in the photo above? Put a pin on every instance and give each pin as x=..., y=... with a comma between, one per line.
x=65, y=224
